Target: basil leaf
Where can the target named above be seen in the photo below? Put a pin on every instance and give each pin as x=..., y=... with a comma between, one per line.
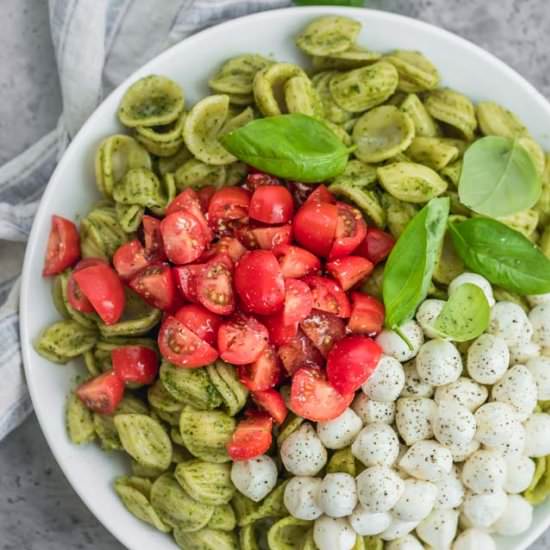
x=329, y=2
x=502, y=255
x=408, y=271
x=465, y=316
x=296, y=147
x=498, y=177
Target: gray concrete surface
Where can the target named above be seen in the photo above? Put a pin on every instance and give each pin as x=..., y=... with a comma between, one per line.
x=38, y=508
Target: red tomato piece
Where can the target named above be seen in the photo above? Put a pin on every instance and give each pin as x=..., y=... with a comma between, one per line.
x=187, y=279
x=350, y=270
x=157, y=286
x=241, y=340
x=182, y=347
x=183, y=237
x=321, y=194
x=367, y=314
x=312, y=397
x=129, y=259
x=323, y=329
x=271, y=204
x=102, y=286
x=298, y=301
x=63, y=246
x=314, y=227
x=272, y=402
x=190, y=201
x=103, y=393
x=199, y=320
x=135, y=364
x=328, y=295
x=205, y=195
x=279, y=332
x=351, y=229
x=259, y=282
x=228, y=207
x=377, y=245
x=227, y=245
x=256, y=178
x=299, y=352
x=75, y=296
x=351, y=361
x=251, y=438
x=296, y=262
x=266, y=238
x=264, y=373
x=215, y=285
x=154, y=249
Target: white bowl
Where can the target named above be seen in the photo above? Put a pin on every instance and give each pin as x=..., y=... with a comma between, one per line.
x=72, y=191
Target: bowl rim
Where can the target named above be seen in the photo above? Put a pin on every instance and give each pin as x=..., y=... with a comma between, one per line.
x=27, y=274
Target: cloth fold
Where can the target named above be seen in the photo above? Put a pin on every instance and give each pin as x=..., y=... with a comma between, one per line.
x=97, y=44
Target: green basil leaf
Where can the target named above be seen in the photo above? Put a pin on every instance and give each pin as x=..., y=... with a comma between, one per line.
x=408, y=271
x=466, y=314
x=502, y=255
x=296, y=147
x=358, y=3
x=498, y=177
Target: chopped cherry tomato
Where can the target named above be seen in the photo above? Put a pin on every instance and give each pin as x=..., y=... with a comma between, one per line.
x=321, y=194
x=182, y=347
x=256, y=178
x=103, y=393
x=350, y=270
x=312, y=397
x=367, y=314
x=241, y=340
x=228, y=207
x=157, y=286
x=63, y=246
x=350, y=231
x=376, y=246
x=328, y=295
x=323, y=329
x=264, y=373
x=226, y=245
x=259, y=282
x=351, y=361
x=101, y=285
x=266, y=238
x=314, y=226
x=75, y=296
x=205, y=195
x=135, y=364
x=272, y=402
x=299, y=352
x=251, y=438
x=187, y=279
x=214, y=286
x=296, y=262
x=279, y=332
x=130, y=259
x=154, y=249
x=271, y=204
x=298, y=301
x=190, y=202
x=183, y=237
x=199, y=320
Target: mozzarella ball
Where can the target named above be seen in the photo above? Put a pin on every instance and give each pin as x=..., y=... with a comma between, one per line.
x=539, y=367
x=524, y=352
x=302, y=452
x=488, y=358
x=369, y=523
x=300, y=497
x=453, y=424
x=408, y=542
x=540, y=320
x=438, y=530
x=393, y=345
x=509, y=321
x=515, y=446
x=398, y=529
x=254, y=478
x=379, y=488
x=519, y=473
x=333, y=534
x=427, y=460
x=537, y=435
x=340, y=432
x=538, y=299
x=517, y=388
x=482, y=511
x=438, y=363
x=414, y=386
x=484, y=472
x=496, y=423
x=338, y=495
x=463, y=391
x=413, y=418
x=370, y=411
x=426, y=315
x=474, y=279
x=387, y=380
x=450, y=491
x=416, y=502
x=474, y=539
x=516, y=519
x=461, y=452
x=376, y=445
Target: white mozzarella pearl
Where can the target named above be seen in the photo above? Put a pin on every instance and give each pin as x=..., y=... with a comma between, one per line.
x=510, y=322
x=484, y=472
x=540, y=320
x=367, y=524
x=463, y=391
x=496, y=423
x=387, y=380
x=439, y=528
x=427, y=460
x=373, y=411
x=454, y=424
x=482, y=511
x=519, y=473
x=392, y=344
x=379, y=488
x=438, y=362
x=450, y=491
x=416, y=502
x=300, y=497
x=302, y=452
x=338, y=495
x=517, y=388
x=414, y=417
x=254, y=478
x=474, y=539
x=414, y=386
x=539, y=367
x=537, y=442
x=488, y=358
x=341, y=431
x=376, y=445
x=516, y=519
x=333, y=534
x=426, y=315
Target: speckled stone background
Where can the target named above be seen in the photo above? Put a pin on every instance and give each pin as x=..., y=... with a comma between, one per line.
x=38, y=508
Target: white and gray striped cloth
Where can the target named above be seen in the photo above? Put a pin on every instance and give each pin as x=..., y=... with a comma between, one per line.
x=98, y=43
